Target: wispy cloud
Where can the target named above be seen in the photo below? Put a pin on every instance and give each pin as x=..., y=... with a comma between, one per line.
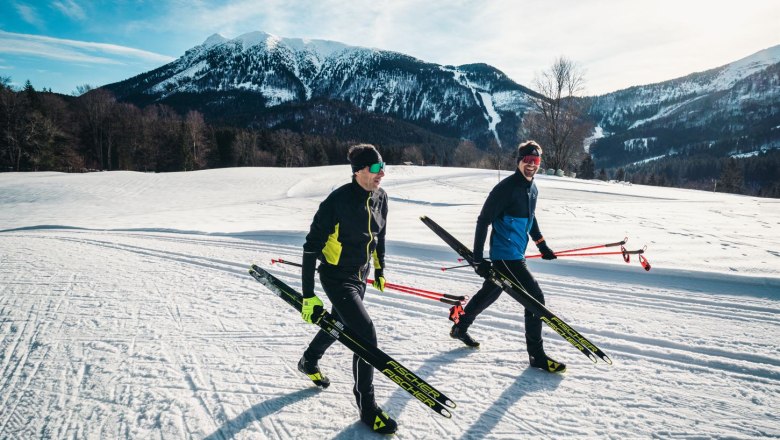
x=70, y=9
x=29, y=14
x=73, y=50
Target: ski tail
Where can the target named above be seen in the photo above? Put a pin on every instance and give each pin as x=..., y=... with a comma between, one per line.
x=395, y=371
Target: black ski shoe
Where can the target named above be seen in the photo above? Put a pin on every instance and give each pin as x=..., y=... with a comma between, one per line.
x=379, y=421
x=463, y=335
x=313, y=371
x=547, y=364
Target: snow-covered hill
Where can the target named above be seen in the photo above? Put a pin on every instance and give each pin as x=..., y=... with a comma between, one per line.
x=126, y=311
x=733, y=108
x=462, y=101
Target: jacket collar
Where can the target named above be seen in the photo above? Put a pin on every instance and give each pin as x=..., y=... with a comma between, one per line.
x=522, y=181
x=358, y=190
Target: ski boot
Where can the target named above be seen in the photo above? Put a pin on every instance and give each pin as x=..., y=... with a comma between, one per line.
x=547, y=364
x=463, y=335
x=379, y=421
x=312, y=370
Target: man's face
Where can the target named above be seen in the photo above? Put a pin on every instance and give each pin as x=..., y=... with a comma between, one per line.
x=529, y=165
x=369, y=181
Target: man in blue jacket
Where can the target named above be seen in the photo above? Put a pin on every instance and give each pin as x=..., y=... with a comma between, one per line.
x=509, y=209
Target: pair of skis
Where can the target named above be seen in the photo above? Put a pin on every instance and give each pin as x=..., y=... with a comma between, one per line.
x=522, y=296
x=405, y=378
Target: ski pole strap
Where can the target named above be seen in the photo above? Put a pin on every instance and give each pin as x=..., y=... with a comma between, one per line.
x=645, y=264
x=626, y=255
x=455, y=313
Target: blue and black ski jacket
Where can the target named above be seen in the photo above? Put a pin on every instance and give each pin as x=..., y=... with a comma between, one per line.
x=509, y=209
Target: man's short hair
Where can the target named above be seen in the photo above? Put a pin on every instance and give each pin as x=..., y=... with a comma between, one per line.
x=528, y=148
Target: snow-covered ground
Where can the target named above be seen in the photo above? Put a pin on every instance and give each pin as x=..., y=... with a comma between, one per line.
x=126, y=311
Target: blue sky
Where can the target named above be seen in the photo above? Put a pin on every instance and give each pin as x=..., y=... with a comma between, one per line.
x=62, y=44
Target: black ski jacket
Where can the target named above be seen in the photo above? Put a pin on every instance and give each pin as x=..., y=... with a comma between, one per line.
x=347, y=233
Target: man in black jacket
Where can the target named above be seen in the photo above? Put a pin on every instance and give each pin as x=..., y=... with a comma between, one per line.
x=348, y=235
x=510, y=210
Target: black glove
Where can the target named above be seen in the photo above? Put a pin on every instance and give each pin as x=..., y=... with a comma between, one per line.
x=547, y=253
x=482, y=267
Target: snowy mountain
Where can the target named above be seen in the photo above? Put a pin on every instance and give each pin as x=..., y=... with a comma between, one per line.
x=258, y=76
x=729, y=110
x=325, y=87
x=126, y=311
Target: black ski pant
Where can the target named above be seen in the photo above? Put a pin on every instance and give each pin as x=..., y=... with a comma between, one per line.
x=515, y=270
x=346, y=295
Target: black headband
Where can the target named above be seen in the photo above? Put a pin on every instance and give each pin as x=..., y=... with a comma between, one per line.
x=364, y=158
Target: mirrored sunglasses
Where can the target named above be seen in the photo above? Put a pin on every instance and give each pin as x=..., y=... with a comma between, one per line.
x=532, y=160
x=376, y=167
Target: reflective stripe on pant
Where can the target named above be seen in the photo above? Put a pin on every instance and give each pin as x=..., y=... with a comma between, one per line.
x=346, y=295
x=517, y=270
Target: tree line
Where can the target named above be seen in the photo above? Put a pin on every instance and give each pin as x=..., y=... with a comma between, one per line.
x=754, y=175
x=45, y=131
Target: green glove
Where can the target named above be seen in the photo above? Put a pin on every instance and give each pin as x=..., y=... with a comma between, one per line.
x=308, y=309
x=379, y=280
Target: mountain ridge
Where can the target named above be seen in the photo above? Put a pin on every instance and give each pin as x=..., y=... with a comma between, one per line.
x=249, y=80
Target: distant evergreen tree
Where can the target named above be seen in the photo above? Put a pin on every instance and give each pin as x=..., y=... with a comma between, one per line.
x=620, y=174
x=32, y=95
x=587, y=169
x=732, y=178
x=603, y=175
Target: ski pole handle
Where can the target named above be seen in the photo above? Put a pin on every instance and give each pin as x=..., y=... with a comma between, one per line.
x=618, y=243
x=455, y=267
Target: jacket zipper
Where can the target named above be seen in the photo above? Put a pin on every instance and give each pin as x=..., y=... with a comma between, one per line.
x=370, y=236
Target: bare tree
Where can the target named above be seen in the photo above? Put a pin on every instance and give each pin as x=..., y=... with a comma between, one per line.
x=466, y=155
x=11, y=119
x=245, y=147
x=97, y=105
x=290, y=152
x=196, y=139
x=412, y=154
x=558, y=120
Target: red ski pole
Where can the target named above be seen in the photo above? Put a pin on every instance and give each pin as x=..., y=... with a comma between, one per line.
x=442, y=297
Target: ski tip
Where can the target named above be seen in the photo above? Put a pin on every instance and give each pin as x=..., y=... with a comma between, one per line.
x=445, y=413
x=450, y=403
x=606, y=359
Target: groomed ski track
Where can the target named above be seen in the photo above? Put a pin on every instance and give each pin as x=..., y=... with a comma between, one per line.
x=186, y=345
x=126, y=311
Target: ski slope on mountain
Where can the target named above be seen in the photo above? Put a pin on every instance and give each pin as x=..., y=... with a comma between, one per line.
x=126, y=311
